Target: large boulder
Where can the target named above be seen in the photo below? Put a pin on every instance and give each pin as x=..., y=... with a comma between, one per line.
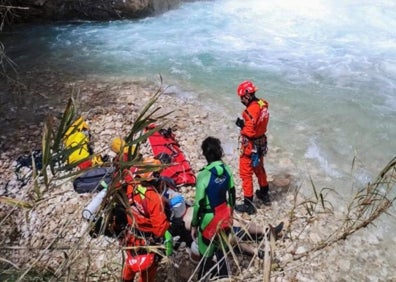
x=61, y=10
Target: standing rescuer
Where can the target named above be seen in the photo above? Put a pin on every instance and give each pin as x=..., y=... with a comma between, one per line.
x=253, y=146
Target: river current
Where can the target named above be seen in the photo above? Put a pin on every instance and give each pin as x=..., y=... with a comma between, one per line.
x=327, y=68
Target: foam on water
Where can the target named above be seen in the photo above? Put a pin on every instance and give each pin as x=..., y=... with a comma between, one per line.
x=314, y=152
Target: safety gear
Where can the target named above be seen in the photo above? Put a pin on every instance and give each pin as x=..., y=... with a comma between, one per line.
x=97, y=160
x=246, y=87
x=116, y=144
x=77, y=143
x=176, y=202
x=148, y=173
x=148, y=211
x=222, y=220
x=216, y=181
x=145, y=264
x=263, y=195
x=78, y=125
x=253, y=140
x=240, y=123
x=246, y=172
x=76, y=140
x=215, y=193
x=164, y=141
x=140, y=263
x=247, y=206
x=256, y=118
x=150, y=226
x=255, y=157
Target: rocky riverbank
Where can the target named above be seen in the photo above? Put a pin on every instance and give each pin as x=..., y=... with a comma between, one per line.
x=49, y=235
x=58, y=10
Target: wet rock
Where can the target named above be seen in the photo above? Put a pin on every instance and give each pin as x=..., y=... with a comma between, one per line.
x=281, y=182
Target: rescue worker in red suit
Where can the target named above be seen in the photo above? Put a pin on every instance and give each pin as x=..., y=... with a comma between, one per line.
x=140, y=226
x=253, y=146
x=150, y=220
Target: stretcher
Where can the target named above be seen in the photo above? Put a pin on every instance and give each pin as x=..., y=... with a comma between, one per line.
x=166, y=148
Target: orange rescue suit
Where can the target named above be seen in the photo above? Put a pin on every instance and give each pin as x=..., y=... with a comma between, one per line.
x=148, y=211
x=256, y=117
x=148, y=216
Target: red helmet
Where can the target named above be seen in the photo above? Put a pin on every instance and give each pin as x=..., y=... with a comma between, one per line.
x=246, y=87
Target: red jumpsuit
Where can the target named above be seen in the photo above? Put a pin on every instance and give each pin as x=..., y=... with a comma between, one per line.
x=255, y=116
x=148, y=216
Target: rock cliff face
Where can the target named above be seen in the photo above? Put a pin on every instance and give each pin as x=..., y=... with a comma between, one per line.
x=60, y=10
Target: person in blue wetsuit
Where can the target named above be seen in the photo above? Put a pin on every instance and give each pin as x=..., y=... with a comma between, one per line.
x=213, y=208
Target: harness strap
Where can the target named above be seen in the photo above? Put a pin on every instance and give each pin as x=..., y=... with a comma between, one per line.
x=249, y=115
x=255, y=138
x=142, y=192
x=261, y=104
x=206, y=210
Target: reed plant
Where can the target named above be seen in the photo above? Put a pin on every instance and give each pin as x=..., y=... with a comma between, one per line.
x=8, y=68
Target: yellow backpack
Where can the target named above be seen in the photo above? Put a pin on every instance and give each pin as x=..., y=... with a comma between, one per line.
x=77, y=137
x=78, y=125
x=79, y=141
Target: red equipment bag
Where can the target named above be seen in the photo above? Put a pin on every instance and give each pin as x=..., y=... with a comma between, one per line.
x=139, y=263
x=163, y=144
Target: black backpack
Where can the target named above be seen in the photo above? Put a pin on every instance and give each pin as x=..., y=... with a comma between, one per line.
x=90, y=180
x=26, y=161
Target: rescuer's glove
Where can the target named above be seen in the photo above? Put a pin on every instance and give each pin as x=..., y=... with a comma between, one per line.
x=240, y=123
